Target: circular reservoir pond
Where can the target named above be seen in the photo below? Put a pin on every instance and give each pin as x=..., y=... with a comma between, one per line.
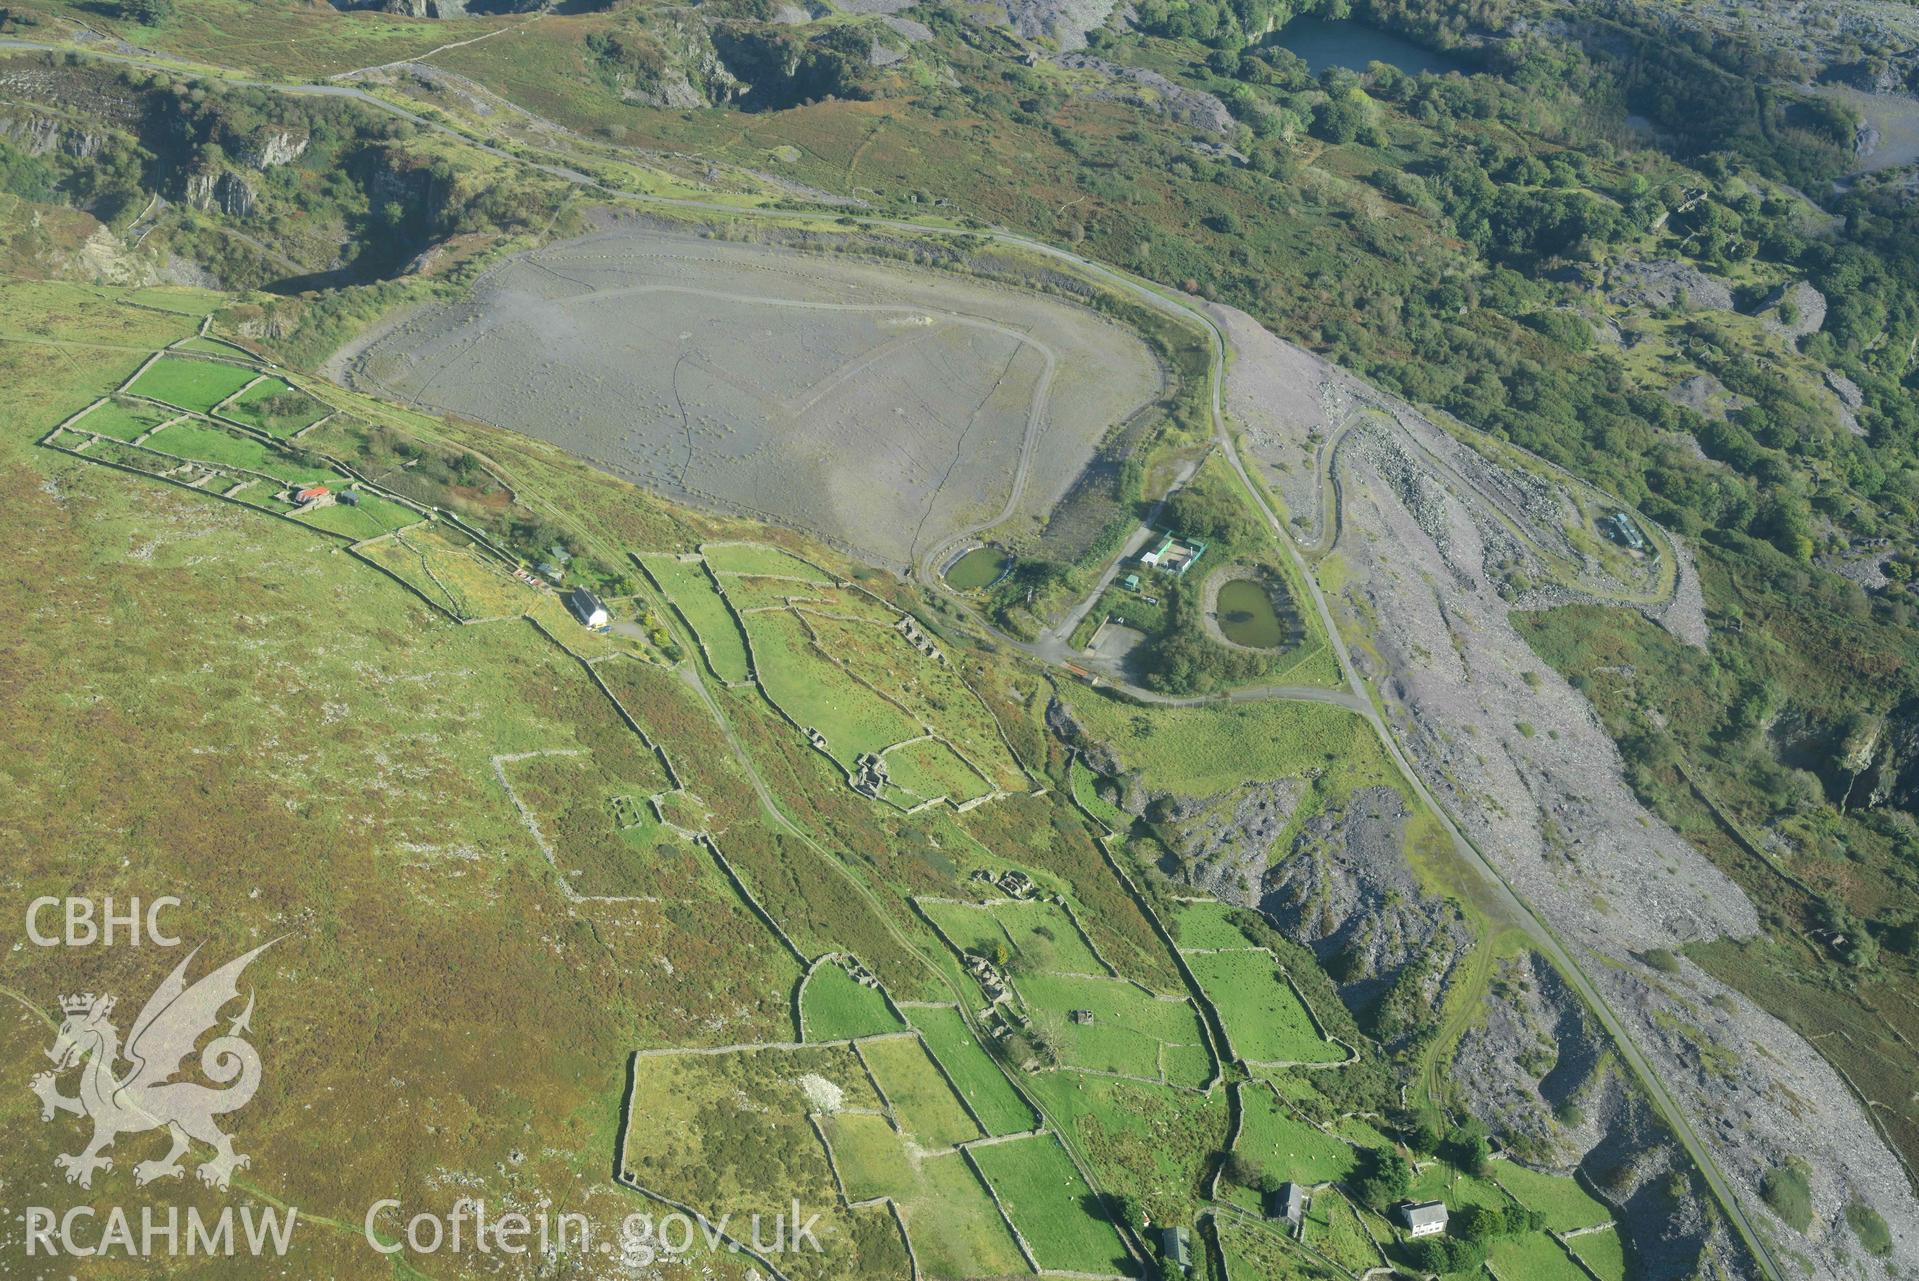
x=1248, y=617
x=981, y=567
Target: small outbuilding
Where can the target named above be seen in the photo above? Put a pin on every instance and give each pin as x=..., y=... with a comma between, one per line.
x=587, y=608
x=1620, y=525
x=1130, y=582
x=1423, y=1218
x=1176, y=1250
x=1287, y=1202
x=1082, y=1017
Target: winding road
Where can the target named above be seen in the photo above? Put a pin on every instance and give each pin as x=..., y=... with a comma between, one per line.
x=1353, y=695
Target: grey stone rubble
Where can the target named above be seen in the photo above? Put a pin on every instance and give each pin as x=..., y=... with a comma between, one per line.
x=1522, y=762
x=1065, y=22
x=1191, y=107
x=1663, y=282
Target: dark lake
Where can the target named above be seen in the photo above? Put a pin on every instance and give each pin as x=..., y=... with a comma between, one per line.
x=1323, y=43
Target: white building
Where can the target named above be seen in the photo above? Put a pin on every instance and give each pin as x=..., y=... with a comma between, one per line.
x=587, y=608
x=1423, y=1218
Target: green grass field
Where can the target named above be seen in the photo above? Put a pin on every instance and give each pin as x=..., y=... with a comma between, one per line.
x=228, y=449
x=693, y=594
x=1051, y=1205
x=1603, y=1252
x=1532, y=1257
x=275, y=407
x=993, y=1099
x=923, y=1103
x=928, y=769
x=1566, y=1205
x=122, y=419
x=1047, y=938
x=191, y=384
x=970, y=927
x=1207, y=925
x=866, y=1152
x=1286, y=1147
x=1333, y=1228
x=370, y=518
x=761, y=560
x=955, y=1227
x=1202, y=751
x=819, y=694
x=835, y=1008
x=1041, y=936
x=1265, y=1021
x=932, y=693
x=1150, y=1144
x=1128, y=1031
x=729, y=1132
x=1084, y=791
x=1441, y=1182
x=1261, y=1254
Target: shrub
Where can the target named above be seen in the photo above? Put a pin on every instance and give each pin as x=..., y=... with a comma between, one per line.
x=1874, y=1236
x=148, y=13
x=1469, y=1148
x=1243, y=1171
x=1386, y=1179
x=1486, y=1223
x=1788, y=1190
x=1446, y=1254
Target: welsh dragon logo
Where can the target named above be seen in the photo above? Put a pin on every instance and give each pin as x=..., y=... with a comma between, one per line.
x=144, y=1095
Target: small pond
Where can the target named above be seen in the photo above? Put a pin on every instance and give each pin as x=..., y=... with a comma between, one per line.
x=1247, y=617
x=981, y=567
x=1323, y=43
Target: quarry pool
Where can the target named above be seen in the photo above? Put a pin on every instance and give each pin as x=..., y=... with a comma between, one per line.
x=981, y=567
x=1247, y=617
x=1324, y=43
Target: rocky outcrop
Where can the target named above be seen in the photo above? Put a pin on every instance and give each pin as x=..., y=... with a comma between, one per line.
x=670, y=63
x=1525, y=1068
x=39, y=135
x=219, y=191
x=270, y=145
x=1665, y=282
x=1064, y=22
x=1226, y=845
x=1534, y=1069
x=1152, y=91
x=1882, y=759
x=1793, y=311
x=1345, y=890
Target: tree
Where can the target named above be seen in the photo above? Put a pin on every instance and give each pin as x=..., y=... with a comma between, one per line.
x=1469, y=1148
x=148, y=13
x=1242, y=1170
x=1338, y=120
x=1446, y=1254
x=1386, y=1179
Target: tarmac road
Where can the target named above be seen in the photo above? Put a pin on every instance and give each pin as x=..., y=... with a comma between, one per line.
x=1353, y=696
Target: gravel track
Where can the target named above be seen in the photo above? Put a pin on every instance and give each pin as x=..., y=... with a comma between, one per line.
x=1536, y=783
